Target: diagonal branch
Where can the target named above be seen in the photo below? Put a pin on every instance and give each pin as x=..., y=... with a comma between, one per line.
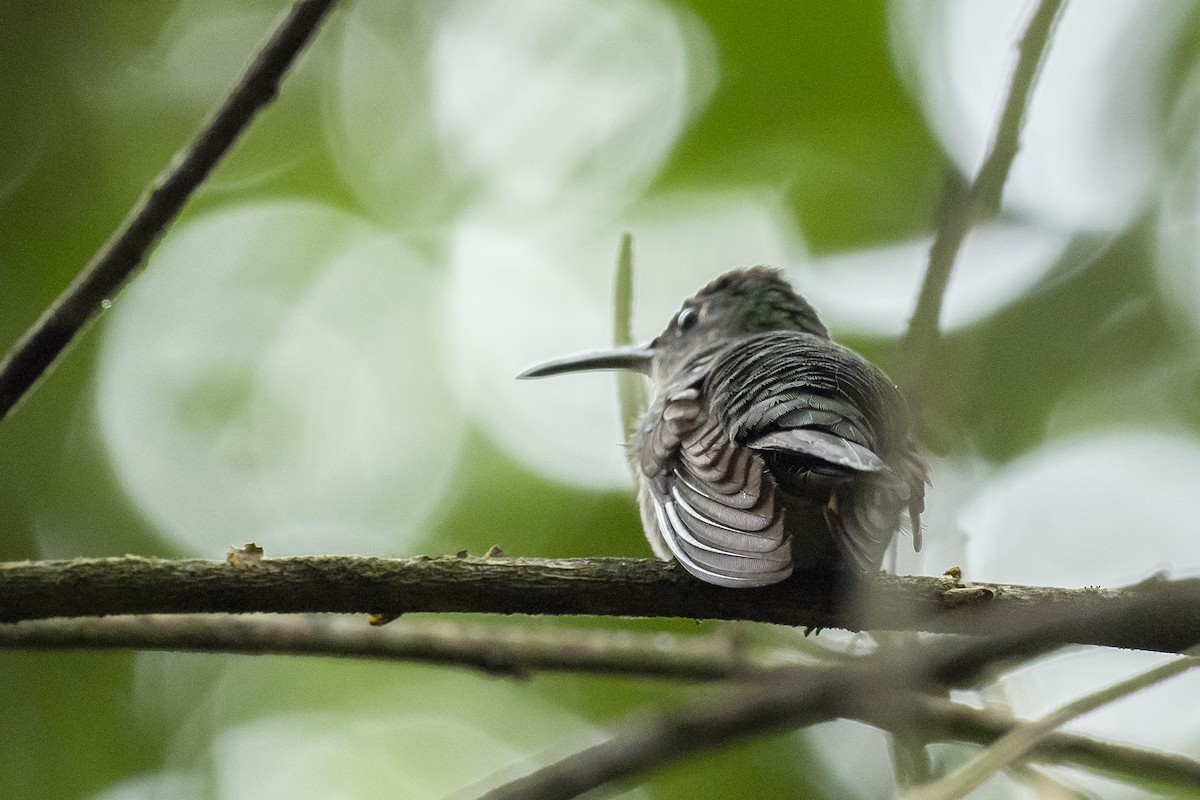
x=594, y=586
x=1015, y=745
x=940, y=719
x=964, y=205
x=124, y=253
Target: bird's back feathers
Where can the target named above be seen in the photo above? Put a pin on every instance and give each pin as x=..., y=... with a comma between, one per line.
x=779, y=436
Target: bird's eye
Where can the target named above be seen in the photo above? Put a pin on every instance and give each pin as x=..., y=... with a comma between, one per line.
x=687, y=319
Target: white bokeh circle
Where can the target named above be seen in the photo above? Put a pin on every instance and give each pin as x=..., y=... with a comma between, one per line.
x=339, y=728
x=273, y=376
x=1092, y=144
x=530, y=107
x=569, y=102
x=400, y=757
x=378, y=113
x=1105, y=509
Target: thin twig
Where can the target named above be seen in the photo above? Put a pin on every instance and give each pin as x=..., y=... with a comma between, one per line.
x=631, y=387
x=515, y=650
x=1018, y=742
x=594, y=586
x=126, y=250
x=941, y=719
x=963, y=206
x=784, y=701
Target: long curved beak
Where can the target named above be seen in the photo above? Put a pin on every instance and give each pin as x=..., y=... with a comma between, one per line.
x=634, y=357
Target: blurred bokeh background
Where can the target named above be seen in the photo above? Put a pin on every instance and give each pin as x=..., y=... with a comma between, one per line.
x=320, y=355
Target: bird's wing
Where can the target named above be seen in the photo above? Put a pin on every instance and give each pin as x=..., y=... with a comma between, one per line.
x=711, y=501
x=832, y=430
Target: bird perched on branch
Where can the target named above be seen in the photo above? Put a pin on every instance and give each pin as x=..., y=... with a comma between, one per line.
x=768, y=446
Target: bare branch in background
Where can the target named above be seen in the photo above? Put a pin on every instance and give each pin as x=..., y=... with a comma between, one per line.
x=1015, y=745
x=126, y=250
x=884, y=680
x=593, y=586
x=943, y=720
x=501, y=649
x=520, y=650
x=964, y=205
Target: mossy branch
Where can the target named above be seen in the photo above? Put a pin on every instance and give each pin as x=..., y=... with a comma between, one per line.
x=589, y=586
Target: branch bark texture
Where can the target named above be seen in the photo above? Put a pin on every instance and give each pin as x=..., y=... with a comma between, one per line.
x=589, y=586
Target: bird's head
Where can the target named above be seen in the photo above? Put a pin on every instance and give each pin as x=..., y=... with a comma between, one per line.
x=739, y=303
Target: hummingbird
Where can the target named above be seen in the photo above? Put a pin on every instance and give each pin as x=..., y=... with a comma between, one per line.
x=768, y=447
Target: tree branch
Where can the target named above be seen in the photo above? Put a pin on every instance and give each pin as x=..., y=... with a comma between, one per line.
x=885, y=679
x=595, y=586
x=515, y=650
x=124, y=253
x=519, y=651
x=1015, y=746
x=964, y=205
x=940, y=719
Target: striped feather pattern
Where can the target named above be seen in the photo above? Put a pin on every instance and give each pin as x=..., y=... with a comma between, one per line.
x=817, y=408
x=712, y=503
x=780, y=436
